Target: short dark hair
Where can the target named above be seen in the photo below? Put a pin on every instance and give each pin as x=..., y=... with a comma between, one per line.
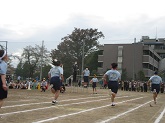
x=56, y=62
x=156, y=73
x=1, y=53
x=114, y=65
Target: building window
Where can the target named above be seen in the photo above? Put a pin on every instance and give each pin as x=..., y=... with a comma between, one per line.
x=120, y=50
x=119, y=65
x=162, y=47
x=145, y=52
x=101, y=52
x=145, y=65
x=100, y=64
x=162, y=55
x=120, y=59
x=150, y=67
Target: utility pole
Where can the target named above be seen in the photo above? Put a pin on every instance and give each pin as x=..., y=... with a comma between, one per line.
x=41, y=59
x=82, y=68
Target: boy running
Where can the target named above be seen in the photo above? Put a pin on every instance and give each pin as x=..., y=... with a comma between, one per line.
x=155, y=85
x=113, y=77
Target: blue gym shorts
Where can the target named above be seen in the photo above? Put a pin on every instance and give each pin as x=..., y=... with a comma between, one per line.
x=113, y=85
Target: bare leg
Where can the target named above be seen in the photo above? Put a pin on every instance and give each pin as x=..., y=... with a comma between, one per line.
x=113, y=97
x=154, y=97
x=95, y=91
x=53, y=91
x=56, y=94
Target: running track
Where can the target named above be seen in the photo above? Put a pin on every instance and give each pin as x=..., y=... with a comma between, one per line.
x=81, y=106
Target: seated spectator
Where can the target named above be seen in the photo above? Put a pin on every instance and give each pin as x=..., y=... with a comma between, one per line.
x=43, y=85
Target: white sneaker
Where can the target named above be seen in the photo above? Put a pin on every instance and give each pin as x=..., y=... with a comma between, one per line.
x=53, y=102
x=154, y=90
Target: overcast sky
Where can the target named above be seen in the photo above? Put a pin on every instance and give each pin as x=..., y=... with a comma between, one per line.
x=28, y=22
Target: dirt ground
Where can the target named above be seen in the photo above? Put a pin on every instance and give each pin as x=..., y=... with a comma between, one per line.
x=80, y=105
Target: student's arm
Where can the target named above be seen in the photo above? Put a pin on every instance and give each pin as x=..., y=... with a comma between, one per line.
x=83, y=73
x=49, y=75
x=105, y=77
x=149, y=81
x=62, y=77
x=91, y=81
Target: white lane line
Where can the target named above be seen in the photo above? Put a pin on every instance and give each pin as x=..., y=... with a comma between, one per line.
x=91, y=109
x=160, y=116
x=21, y=100
x=48, y=102
x=52, y=106
x=119, y=115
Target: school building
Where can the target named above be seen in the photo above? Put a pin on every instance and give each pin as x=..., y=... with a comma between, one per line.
x=147, y=55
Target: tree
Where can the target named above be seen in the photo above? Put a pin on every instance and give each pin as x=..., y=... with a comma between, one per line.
x=30, y=60
x=141, y=75
x=45, y=71
x=71, y=47
x=91, y=61
x=10, y=68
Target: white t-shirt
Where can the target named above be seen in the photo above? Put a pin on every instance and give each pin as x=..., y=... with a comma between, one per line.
x=94, y=80
x=86, y=72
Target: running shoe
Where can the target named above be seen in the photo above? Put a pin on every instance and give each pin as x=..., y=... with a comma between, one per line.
x=113, y=105
x=53, y=102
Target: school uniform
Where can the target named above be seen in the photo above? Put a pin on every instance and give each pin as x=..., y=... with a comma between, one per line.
x=55, y=74
x=113, y=77
x=86, y=76
x=155, y=83
x=94, y=81
x=3, y=70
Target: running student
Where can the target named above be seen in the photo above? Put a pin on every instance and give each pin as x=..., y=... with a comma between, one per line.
x=113, y=77
x=155, y=85
x=3, y=70
x=94, y=82
x=56, y=75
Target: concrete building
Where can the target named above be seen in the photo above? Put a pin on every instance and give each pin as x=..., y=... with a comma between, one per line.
x=133, y=58
x=157, y=44
x=159, y=47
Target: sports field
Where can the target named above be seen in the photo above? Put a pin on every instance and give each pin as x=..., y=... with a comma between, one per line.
x=79, y=105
